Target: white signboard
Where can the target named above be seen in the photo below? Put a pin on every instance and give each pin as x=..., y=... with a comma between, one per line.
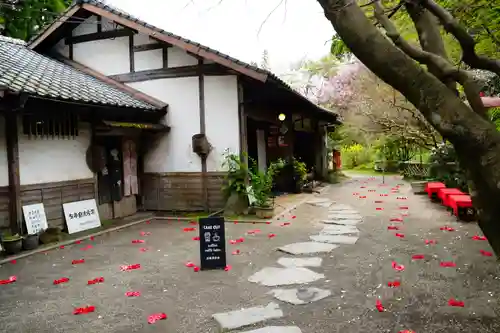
x=35, y=218
x=251, y=196
x=81, y=215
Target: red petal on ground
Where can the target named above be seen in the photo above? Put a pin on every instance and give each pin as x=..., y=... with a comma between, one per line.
x=394, y=284
x=193, y=222
x=294, y=217
x=228, y=268
x=271, y=235
x=486, y=253
x=362, y=197
x=188, y=229
x=379, y=201
x=61, y=247
x=138, y=241
x=145, y=233
x=86, y=247
x=155, y=317
x=197, y=238
x=61, y=280
x=430, y=241
x=379, y=306
x=392, y=227
x=447, y=264
x=235, y=222
x=398, y=267
x=454, y=302
x=236, y=252
x=362, y=187
x=78, y=242
x=189, y=264
x=78, y=261
x=91, y=238
x=196, y=268
x=396, y=219
x=148, y=222
x=130, y=267
x=87, y=309
x=397, y=234
x=133, y=293
x=446, y=228
x=268, y=222
x=379, y=208
x=418, y=256
x=284, y=224
x=13, y=261
x=403, y=207
x=476, y=237
x=406, y=331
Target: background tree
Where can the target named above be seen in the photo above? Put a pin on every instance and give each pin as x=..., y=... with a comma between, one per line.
x=24, y=18
x=433, y=83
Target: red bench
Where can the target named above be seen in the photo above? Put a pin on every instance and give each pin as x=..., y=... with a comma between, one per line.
x=431, y=188
x=444, y=193
x=462, y=208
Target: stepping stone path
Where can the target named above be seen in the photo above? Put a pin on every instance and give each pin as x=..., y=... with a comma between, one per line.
x=307, y=248
x=244, y=317
x=301, y=295
x=276, y=329
x=335, y=239
x=339, y=230
x=274, y=276
x=341, y=222
x=300, y=262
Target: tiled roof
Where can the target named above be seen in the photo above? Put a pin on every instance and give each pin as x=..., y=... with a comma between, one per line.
x=24, y=70
x=275, y=79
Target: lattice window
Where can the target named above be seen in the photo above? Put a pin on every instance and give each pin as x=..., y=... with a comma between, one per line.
x=57, y=125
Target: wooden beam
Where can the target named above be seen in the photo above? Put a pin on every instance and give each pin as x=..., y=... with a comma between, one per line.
x=168, y=73
x=99, y=25
x=100, y=36
x=131, y=55
x=190, y=47
x=12, y=140
x=149, y=47
x=203, y=130
x=57, y=23
x=165, y=57
x=242, y=117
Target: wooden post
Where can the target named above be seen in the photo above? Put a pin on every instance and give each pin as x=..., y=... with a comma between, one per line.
x=242, y=124
x=12, y=140
x=203, y=130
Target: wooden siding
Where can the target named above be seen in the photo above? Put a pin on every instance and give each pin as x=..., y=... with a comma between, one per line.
x=4, y=207
x=181, y=191
x=54, y=195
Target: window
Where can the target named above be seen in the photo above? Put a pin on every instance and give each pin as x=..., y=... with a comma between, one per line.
x=57, y=125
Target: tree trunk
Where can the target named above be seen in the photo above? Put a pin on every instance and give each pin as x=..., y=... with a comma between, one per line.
x=476, y=140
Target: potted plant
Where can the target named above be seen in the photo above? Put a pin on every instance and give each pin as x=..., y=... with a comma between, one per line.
x=262, y=185
x=31, y=242
x=12, y=243
x=299, y=174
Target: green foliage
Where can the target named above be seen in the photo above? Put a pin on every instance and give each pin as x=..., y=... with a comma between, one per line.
x=7, y=236
x=262, y=182
x=300, y=170
x=355, y=155
x=236, y=177
x=495, y=117
x=24, y=18
x=445, y=167
x=338, y=48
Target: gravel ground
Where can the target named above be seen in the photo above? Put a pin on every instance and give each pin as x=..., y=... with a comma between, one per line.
x=356, y=274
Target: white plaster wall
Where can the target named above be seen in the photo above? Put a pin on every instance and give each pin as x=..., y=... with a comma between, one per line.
x=221, y=118
x=53, y=160
x=141, y=39
x=173, y=152
x=178, y=57
x=107, y=56
x=152, y=59
x=4, y=170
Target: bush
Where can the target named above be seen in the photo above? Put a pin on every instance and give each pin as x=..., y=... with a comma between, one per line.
x=355, y=155
x=445, y=167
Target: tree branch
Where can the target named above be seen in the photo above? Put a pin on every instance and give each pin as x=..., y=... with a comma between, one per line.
x=466, y=41
x=444, y=68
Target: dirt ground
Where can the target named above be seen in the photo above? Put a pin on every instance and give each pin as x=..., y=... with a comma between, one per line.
x=356, y=274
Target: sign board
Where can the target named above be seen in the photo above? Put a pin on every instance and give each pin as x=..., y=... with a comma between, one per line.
x=81, y=215
x=212, y=243
x=251, y=195
x=35, y=218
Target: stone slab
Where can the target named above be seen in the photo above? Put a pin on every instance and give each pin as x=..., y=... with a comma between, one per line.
x=307, y=248
x=340, y=207
x=345, y=216
x=276, y=329
x=249, y=316
x=278, y=276
x=300, y=296
x=300, y=262
x=320, y=202
x=335, y=239
x=342, y=222
x=338, y=229
x=344, y=212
